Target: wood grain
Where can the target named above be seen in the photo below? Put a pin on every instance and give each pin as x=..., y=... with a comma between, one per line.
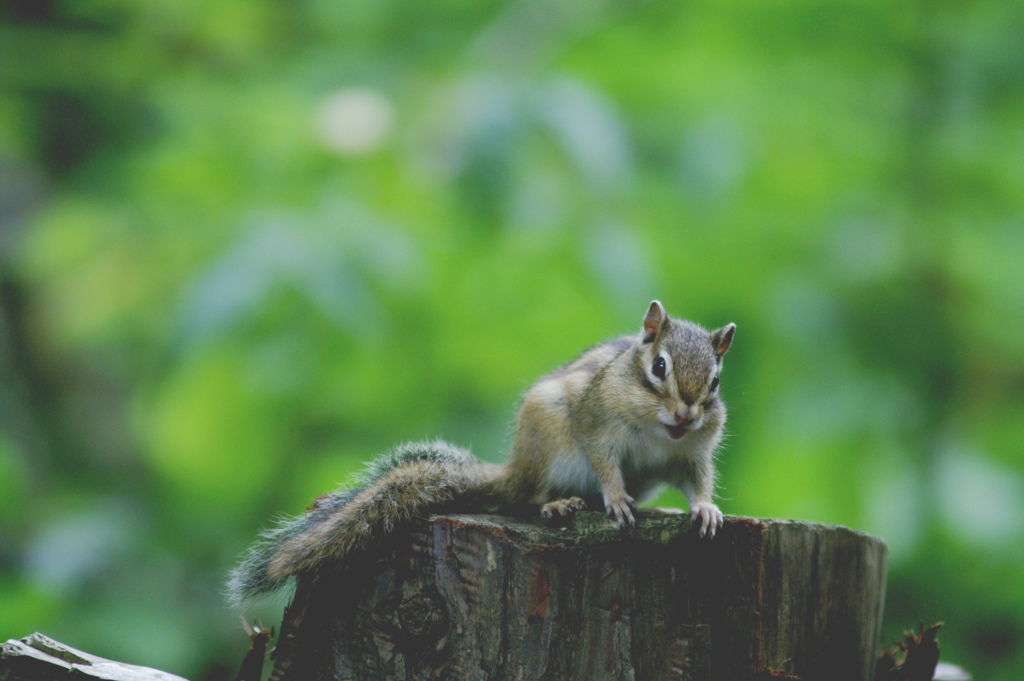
x=478, y=597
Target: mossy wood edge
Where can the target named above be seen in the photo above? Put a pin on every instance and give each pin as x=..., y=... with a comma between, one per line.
x=483, y=597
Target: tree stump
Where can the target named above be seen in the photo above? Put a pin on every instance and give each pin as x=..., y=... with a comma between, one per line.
x=477, y=597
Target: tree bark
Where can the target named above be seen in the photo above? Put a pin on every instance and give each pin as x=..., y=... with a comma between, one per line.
x=479, y=597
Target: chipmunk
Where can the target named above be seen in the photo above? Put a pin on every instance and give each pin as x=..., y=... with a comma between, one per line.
x=623, y=419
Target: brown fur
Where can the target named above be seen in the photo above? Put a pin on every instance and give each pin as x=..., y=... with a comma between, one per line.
x=592, y=427
x=600, y=430
x=400, y=495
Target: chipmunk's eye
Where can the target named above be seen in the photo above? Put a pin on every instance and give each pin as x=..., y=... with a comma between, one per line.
x=714, y=384
x=658, y=368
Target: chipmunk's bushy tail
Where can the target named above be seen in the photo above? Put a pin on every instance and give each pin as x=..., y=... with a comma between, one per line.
x=409, y=481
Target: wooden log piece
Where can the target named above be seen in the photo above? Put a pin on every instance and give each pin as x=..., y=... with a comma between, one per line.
x=40, y=658
x=477, y=597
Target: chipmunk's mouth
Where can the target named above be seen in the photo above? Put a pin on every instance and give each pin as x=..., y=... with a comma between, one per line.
x=676, y=432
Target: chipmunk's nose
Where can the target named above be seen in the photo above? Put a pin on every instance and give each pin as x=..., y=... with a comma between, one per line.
x=683, y=417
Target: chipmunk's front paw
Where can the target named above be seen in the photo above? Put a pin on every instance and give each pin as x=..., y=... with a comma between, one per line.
x=622, y=509
x=562, y=507
x=709, y=517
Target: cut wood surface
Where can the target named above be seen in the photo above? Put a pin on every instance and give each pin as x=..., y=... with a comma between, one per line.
x=40, y=658
x=478, y=597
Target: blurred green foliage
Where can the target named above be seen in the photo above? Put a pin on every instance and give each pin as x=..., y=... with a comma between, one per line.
x=247, y=244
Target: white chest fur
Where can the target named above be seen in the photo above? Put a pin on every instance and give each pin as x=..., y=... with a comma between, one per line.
x=645, y=459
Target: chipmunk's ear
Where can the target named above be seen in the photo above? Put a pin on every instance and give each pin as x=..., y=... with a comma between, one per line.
x=656, y=318
x=721, y=339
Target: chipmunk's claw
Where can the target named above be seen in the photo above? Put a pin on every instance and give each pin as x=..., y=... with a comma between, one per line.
x=562, y=507
x=622, y=509
x=709, y=517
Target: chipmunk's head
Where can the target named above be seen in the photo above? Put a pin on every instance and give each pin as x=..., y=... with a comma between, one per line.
x=678, y=363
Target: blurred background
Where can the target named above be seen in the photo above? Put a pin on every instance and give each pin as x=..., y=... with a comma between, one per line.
x=247, y=244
